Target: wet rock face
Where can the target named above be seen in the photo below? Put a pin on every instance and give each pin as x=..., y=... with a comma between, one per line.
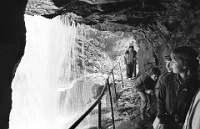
x=169, y=23
x=12, y=43
x=10, y=56
x=124, y=15
x=96, y=90
x=115, y=92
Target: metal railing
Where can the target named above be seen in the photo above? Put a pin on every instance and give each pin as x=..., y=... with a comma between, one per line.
x=98, y=101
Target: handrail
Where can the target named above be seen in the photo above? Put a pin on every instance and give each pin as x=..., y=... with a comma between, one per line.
x=98, y=101
x=113, y=120
x=121, y=75
x=90, y=109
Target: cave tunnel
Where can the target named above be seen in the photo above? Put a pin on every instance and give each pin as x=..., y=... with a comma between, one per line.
x=55, y=56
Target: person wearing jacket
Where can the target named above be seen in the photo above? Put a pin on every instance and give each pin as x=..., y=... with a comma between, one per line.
x=178, y=89
x=130, y=62
x=193, y=115
x=168, y=60
x=144, y=85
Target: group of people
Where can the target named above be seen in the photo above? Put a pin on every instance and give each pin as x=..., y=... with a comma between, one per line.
x=177, y=90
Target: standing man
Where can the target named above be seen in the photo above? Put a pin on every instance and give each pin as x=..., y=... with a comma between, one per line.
x=130, y=62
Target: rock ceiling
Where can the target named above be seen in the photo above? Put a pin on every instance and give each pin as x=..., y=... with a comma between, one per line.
x=117, y=15
x=159, y=22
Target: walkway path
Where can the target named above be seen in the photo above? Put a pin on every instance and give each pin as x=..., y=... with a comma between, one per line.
x=127, y=114
x=132, y=118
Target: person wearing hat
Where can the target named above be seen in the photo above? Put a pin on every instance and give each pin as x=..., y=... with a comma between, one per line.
x=130, y=61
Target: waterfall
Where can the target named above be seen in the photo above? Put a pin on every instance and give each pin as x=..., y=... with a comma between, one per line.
x=45, y=67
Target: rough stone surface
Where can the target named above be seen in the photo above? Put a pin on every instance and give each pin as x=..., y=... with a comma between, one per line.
x=96, y=90
x=160, y=24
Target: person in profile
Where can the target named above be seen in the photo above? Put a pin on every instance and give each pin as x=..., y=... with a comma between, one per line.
x=130, y=62
x=168, y=70
x=144, y=86
x=178, y=89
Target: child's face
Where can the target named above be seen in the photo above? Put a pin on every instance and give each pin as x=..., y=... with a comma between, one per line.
x=154, y=77
x=176, y=67
x=168, y=65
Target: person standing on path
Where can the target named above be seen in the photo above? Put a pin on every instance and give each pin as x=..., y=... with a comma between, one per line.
x=168, y=60
x=130, y=62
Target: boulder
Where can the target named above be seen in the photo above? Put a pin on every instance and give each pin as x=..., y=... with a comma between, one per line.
x=96, y=90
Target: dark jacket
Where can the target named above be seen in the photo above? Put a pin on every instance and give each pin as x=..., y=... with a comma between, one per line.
x=144, y=82
x=131, y=58
x=175, y=97
x=160, y=81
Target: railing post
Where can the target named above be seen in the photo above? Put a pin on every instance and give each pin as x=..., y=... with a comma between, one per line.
x=98, y=101
x=112, y=112
x=114, y=86
x=75, y=124
x=99, y=115
x=121, y=75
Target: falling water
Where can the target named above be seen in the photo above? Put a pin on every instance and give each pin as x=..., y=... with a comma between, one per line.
x=39, y=102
